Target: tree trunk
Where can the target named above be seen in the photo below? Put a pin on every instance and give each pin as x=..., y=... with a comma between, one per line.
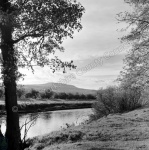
x=9, y=76
x=12, y=130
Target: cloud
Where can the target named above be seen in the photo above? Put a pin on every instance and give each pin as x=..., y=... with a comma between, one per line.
x=98, y=36
x=94, y=82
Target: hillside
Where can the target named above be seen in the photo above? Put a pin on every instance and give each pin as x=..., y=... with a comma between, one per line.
x=128, y=131
x=59, y=88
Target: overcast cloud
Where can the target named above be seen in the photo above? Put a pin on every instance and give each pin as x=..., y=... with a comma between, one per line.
x=99, y=35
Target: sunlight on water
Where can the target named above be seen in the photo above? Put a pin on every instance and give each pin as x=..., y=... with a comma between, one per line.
x=3, y=127
x=51, y=121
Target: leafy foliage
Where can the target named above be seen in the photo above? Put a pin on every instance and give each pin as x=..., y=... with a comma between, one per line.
x=1, y=93
x=39, y=27
x=47, y=94
x=116, y=100
x=76, y=96
x=32, y=94
x=135, y=73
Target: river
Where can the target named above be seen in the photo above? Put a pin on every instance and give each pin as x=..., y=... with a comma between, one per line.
x=47, y=122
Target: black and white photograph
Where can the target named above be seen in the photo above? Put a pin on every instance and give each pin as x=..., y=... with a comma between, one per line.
x=74, y=74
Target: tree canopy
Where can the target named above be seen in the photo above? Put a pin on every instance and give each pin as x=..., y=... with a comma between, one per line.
x=39, y=27
x=136, y=68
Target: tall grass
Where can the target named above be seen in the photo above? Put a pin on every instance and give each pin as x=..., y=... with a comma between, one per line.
x=116, y=100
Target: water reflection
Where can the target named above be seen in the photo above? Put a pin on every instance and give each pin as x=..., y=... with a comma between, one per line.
x=51, y=121
x=3, y=124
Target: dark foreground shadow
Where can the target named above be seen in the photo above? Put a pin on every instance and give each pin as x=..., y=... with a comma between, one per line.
x=3, y=142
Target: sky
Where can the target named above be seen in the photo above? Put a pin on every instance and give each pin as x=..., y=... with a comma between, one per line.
x=98, y=38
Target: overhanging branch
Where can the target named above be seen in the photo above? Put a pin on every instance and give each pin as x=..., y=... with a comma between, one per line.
x=25, y=36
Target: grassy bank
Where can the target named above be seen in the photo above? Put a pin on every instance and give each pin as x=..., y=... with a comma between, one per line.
x=128, y=131
x=31, y=106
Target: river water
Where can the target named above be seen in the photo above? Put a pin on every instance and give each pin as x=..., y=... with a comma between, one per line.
x=46, y=122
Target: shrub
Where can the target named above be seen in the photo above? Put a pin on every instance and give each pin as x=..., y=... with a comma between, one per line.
x=62, y=95
x=90, y=96
x=76, y=96
x=47, y=94
x=1, y=93
x=116, y=100
x=32, y=94
x=82, y=96
x=56, y=96
x=70, y=96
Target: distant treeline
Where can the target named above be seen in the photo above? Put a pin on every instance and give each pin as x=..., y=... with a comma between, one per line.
x=49, y=94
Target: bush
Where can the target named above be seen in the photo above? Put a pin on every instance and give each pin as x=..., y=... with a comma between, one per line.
x=32, y=94
x=83, y=97
x=1, y=93
x=70, y=96
x=47, y=94
x=62, y=95
x=75, y=96
x=90, y=96
x=56, y=96
x=116, y=100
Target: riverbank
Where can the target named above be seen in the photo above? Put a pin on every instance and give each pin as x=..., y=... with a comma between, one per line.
x=33, y=106
x=128, y=131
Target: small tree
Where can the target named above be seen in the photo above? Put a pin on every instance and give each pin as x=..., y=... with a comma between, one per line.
x=76, y=96
x=32, y=94
x=91, y=96
x=47, y=94
x=56, y=96
x=62, y=95
x=70, y=96
x=82, y=96
x=1, y=93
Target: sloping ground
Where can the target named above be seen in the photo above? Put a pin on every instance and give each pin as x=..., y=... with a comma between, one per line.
x=128, y=131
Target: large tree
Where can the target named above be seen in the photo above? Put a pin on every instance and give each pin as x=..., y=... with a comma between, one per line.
x=136, y=70
x=29, y=31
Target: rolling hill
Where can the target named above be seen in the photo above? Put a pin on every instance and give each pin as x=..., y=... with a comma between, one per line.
x=59, y=88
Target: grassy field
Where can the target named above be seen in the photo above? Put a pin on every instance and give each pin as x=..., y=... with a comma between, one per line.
x=128, y=131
